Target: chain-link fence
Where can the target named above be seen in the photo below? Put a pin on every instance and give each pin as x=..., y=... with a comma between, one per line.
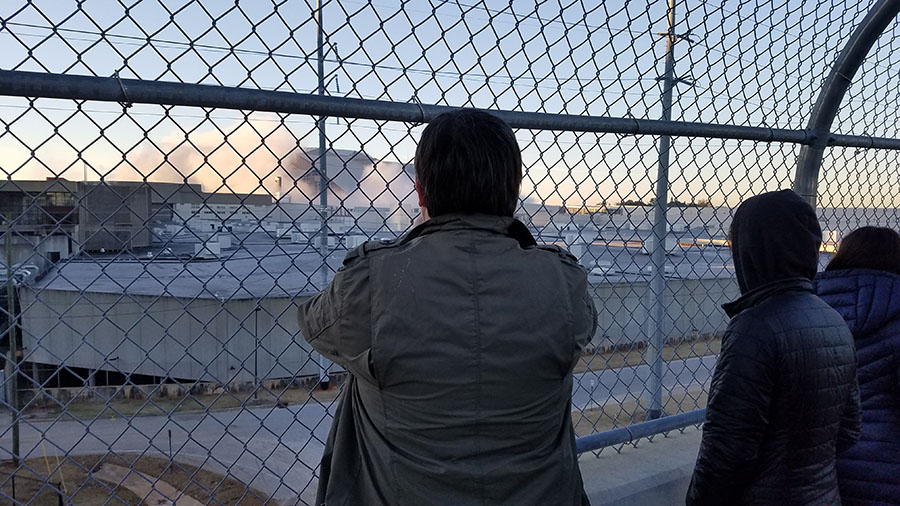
x=159, y=235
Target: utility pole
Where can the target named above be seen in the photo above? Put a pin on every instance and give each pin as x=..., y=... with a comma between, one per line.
x=660, y=231
x=324, y=363
x=13, y=360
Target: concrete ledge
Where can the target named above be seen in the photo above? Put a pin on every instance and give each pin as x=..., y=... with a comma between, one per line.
x=653, y=473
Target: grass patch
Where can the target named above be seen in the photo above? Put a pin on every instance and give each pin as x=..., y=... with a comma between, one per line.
x=73, y=477
x=637, y=356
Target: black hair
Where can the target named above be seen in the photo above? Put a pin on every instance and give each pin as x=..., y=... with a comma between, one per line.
x=468, y=161
x=868, y=248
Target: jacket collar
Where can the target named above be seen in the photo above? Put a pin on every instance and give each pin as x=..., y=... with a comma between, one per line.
x=505, y=225
x=757, y=295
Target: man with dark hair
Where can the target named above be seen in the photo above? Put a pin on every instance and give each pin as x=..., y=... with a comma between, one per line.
x=784, y=399
x=460, y=339
x=468, y=162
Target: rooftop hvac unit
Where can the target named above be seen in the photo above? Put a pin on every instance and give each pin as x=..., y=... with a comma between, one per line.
x=224, y=241
x=207, y=250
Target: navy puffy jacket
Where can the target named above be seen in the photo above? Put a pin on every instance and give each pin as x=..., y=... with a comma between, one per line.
x=869, y=301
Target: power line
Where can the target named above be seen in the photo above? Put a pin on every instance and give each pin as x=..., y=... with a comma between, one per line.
x=137, y=41
x=449, y=74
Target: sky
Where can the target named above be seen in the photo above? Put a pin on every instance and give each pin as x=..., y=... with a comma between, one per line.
x=747, y=63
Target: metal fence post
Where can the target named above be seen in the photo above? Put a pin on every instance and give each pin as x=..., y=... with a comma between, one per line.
x=660, y=232
x=256, y=382
x=324, y=363
x=13, y=348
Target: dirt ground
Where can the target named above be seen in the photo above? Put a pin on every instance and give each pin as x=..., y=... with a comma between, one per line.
x=637, y=356
x=630, y=412
x=72, y=477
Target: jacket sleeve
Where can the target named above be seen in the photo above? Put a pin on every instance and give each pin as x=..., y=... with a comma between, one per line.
x=336, y=321
x=736, y=418
x=584, y=312
x=851, y=421
x=586, y=323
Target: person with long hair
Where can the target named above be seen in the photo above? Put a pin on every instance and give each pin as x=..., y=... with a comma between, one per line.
x=862, y=282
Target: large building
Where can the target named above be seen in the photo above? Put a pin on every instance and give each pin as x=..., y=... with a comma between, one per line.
x=231, y=318
x=226, y=319
x=166, y=196
x=57, y=218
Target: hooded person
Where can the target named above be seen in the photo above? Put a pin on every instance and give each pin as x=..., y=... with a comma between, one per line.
x=784, y=399
x=862, y=282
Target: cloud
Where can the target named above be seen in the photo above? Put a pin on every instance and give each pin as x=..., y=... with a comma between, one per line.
x=244, y=159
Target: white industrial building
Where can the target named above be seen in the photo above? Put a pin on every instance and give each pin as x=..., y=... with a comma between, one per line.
x=283, y=219
x=188, y=320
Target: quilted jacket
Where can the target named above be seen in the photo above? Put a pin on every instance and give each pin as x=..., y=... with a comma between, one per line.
x=783, y=400
x=869, y=473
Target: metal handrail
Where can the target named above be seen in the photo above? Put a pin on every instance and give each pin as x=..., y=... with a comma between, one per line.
x=20, y=83
x=639, y=430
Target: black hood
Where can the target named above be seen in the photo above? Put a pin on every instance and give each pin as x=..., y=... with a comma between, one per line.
x=774, y=236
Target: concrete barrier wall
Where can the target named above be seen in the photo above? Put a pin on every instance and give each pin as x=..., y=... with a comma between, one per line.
x=196, y=340
x=693, y=307
x=646, y=473
x=207, y=340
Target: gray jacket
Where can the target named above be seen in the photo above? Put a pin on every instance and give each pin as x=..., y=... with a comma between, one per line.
x=460, y=339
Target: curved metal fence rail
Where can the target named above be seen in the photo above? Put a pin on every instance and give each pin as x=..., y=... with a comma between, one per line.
x=177, y=176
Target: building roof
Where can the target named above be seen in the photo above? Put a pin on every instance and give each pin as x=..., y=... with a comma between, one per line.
x=39, y=186
x=173, y=193
x=258, y=269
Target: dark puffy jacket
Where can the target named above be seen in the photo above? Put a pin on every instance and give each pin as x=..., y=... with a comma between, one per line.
x=783, y=399
x=460, y=338
x=869, y=473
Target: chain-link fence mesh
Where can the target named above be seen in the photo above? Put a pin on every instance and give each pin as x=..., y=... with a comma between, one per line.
x=157, y=252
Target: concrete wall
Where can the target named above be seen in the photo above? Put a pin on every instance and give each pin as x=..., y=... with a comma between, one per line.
x=38, y=249
x=199, y=340
x=113, y=216
x=206, y=340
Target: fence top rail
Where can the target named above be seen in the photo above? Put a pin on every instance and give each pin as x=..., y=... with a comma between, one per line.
x=129, y=91
x=637, y=431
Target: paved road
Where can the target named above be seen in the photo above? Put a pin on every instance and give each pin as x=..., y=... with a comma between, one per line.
x=276, y=449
